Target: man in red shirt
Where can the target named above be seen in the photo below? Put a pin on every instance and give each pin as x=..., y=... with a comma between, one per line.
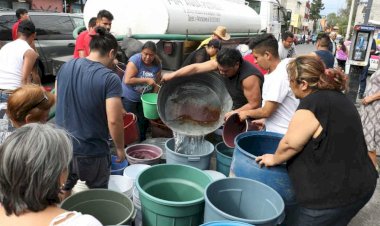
x=83, y=40
x=103, y=19
x=21, y=14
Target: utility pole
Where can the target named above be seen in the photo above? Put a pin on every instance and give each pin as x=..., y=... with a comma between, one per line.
x=367, y=11
x=353, y=2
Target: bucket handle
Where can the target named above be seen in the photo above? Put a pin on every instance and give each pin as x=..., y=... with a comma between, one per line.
x=194, y=159
x=159, y=86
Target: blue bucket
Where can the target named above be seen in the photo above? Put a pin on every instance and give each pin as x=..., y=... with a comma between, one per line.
x=117, y=168
x=250, y=144
x=226, y=223
x=244, y=200
x=223, y=158
x=256, y=143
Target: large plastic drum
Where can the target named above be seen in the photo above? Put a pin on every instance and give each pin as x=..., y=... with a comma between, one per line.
x=109, y=207
x=172, y=195
x=244, y=200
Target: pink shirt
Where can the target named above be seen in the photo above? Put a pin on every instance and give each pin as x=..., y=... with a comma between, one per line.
x=341, y=55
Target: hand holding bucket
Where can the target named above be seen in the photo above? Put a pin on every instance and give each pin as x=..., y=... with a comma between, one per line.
x=234, y=126
x=149, y=102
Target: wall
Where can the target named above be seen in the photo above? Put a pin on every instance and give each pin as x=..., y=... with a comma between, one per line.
x=47, y=5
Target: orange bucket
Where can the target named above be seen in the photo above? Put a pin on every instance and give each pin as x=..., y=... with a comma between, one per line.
x=131, y=130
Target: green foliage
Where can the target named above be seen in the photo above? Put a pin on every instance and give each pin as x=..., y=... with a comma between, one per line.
x=315, y=9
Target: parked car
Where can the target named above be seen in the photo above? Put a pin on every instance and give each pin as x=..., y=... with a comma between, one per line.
x=54, y=35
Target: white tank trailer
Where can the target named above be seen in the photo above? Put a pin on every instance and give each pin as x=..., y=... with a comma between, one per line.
x=176, y=16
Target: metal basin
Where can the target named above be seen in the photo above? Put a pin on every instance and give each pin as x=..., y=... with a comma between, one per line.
x=194, y=105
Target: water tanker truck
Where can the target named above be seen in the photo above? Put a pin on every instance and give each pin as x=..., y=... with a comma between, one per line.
x=178, y=26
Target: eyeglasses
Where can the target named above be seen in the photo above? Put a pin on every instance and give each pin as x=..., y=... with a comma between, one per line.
x=39, y=102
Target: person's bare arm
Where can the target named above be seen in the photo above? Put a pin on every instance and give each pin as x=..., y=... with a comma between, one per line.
x=30, y=58
x=207, y=66
x=114, y=110
x=369, y=99
x=131, y=79
x=265, y=112
x=302, y=128
x=252, y=91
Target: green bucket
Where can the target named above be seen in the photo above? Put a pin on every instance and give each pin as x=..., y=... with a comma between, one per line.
x=149, y=103
x=172, y=195
x=109, y=207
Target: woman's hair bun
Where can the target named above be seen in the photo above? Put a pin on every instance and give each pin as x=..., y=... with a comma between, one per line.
x=100, y=31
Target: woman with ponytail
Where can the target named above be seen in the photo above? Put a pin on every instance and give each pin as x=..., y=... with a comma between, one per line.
x=324, y=148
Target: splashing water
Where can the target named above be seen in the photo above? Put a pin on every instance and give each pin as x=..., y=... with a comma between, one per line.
x=190, y=145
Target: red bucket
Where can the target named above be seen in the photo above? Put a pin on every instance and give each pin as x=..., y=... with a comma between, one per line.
x=233, y=127
x=131, y=130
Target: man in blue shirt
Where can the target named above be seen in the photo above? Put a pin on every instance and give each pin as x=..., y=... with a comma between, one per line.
x=89, y=107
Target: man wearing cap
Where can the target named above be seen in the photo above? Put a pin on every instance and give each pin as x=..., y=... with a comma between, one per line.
x=17, y=59
x=220, y=33
x=203, y=54
x=243, y=81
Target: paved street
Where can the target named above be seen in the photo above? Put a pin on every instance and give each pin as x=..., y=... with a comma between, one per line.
x=370, y=214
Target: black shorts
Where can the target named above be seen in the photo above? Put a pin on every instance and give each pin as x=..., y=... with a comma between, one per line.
x=94, y=170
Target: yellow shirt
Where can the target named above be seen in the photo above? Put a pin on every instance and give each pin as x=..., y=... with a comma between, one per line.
x=204, y=42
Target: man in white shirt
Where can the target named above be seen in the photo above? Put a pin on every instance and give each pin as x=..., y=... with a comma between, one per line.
x=17, y=60
x=332, y=45
x=279, y=102
x=286, y=47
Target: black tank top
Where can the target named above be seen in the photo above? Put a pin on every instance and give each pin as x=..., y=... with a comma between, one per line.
x=333, y=169
x=234, y=84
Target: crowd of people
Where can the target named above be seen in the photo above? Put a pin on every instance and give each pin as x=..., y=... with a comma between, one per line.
x=326, y=142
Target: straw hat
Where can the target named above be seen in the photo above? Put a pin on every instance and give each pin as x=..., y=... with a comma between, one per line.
x=221, y=32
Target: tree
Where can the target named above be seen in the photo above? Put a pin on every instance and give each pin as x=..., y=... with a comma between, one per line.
x=332, y=20
x=315, y=11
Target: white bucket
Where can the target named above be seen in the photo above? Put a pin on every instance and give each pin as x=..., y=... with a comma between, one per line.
x=79, y=186
x=134, y=170
x=121, y=184
x=215, y=175
x=136, y=198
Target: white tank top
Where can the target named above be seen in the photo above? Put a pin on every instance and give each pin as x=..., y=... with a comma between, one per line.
x=11, y=61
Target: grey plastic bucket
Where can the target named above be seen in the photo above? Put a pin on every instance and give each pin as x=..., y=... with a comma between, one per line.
x=198, y=161
x=244, y=200
x=109, y=207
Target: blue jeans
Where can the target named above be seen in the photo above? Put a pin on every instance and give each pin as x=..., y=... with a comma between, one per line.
x=3, y=97
x=340, y=216
x=137, y=109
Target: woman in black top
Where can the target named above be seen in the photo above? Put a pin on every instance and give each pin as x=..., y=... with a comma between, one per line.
x=324, y=147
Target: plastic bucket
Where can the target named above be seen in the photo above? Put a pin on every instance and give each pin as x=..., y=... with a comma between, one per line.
x=109, y=207
x=223, y=158
x=149, y=103
x=134, y=170
x=215, y=175
x=226, y=223
x=199, y=161
x=143, y=154
x=244, y=200
x=131, y=129
x=121, y=184
x=233, y=127
x=117, y=168
x=160, y=142
x=172, y=195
